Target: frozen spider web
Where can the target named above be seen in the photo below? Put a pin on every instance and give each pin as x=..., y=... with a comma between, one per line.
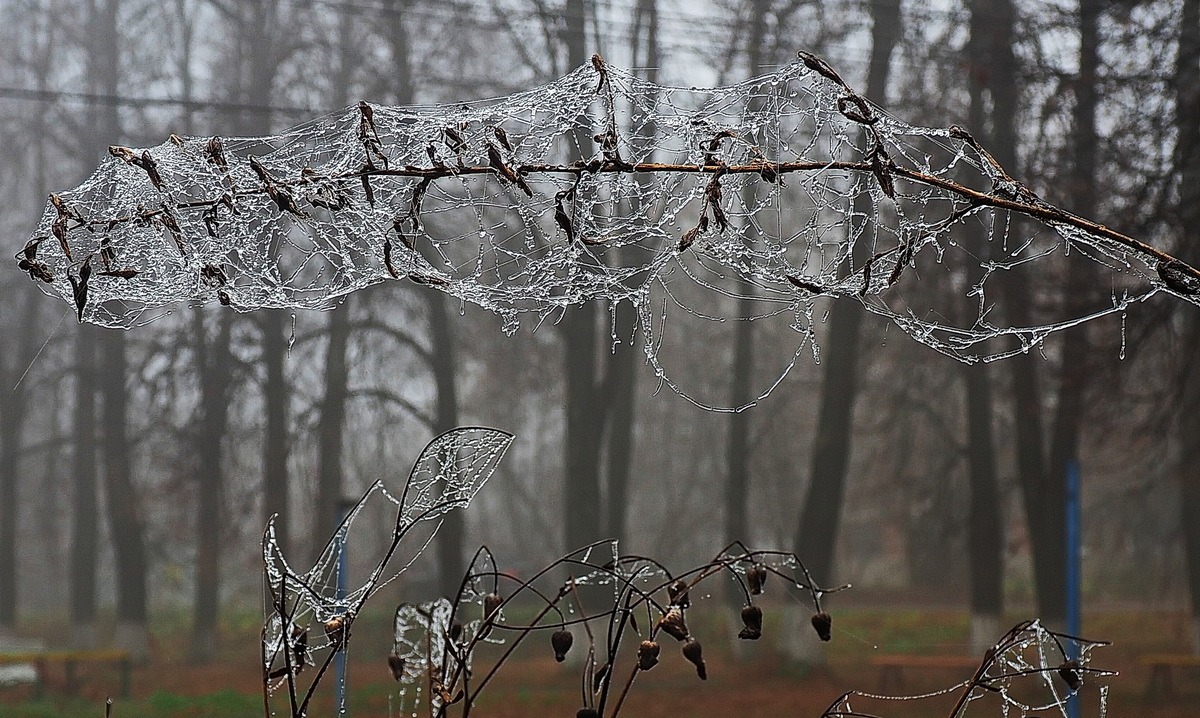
x=312, y=612
x=1031, y=670
x=784, y=189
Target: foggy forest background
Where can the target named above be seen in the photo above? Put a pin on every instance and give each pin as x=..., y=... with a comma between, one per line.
x=137, y=468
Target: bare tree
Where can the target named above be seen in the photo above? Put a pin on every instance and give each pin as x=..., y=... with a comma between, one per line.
x=817, y=529
x=985, y=522
x=1187, y=415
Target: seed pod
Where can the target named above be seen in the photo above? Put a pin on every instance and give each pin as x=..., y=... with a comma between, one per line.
x=648, y=655
x=1069, y=672
x=455, y=631
x=756, y=577
x=491, y=604
x=672, y=624
x=694, y=653
x=561, y=641
x=822, y=622
x=396, y=663
x=752, y=620
x=678, y=592
x=335, y=631
x=587, y=713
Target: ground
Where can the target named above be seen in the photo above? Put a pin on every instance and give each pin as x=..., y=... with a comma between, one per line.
x=760, y=685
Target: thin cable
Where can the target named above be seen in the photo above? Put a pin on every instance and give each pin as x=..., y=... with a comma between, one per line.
x=96, y=98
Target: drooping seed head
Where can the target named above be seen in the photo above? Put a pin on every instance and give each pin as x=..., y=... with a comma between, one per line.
x=491, y=604
x=756, y=577
x=335, y=631
x=752, y=623
x=822, y=622
x=673, y=624
x=678, y=592
x=561, y=641
x=1069, y=672
x=648, y=655
x=695, y=654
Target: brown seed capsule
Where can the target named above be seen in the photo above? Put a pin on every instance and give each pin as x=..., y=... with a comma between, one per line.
x=752, y=620
x=822, y=622
x=694, y=653
x=455, y=631
x=561, y=641
x=678, y=592
x=335, y=631
x=396, y=663
x=491, y=604
x=756, y=577
x=648, y=655
x=673, y=624
x=587, y=713
x=1069, y=672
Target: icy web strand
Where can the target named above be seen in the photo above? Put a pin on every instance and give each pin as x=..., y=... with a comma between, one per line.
x=312, y=612
x=783, y=189
x=1030, y=670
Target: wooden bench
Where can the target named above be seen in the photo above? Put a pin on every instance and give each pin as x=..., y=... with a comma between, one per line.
x=892, y=665
x=42, y=660
x=1161, y=668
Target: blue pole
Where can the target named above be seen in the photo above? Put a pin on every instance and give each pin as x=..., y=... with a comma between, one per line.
x=342, y=568
x=1073, y=570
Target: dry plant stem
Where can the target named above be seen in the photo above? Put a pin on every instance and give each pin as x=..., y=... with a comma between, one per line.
x=1002, y=645
x=628, y=682
x=279, y=604
x=266, y=680
x=1041, y=211
x=589, y=673
x=620, y=619
x=398, y=534
x=522, y=633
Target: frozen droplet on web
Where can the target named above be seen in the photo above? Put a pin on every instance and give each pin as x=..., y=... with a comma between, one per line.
x=1121, y=354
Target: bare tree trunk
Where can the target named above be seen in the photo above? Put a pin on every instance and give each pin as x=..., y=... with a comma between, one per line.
x=737, y=453
x=1187, y=417
x=124, y=512
x=620, y=385
x=585, y=419
x=85, y=523
x=214, y=374
x=450, y=559
x=213, y=367
x=276, y=395
x=263, y=35
x=332, y=428
x=817, y=531
x=1043, y=494
x=124, y=518
x=1075, y=368
x=442, y=362
x=13, y=405
x=985, y=532
x=620, y=381
x=331, y=431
